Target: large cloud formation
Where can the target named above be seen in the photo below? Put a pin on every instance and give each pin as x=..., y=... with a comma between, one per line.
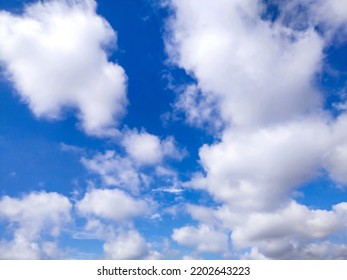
x=54, y=53
x=259, y=74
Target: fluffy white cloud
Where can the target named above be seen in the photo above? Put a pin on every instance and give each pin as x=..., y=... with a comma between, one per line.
x=325, y=250
x=258, y=77
x=32, y=217
x=111, y=204
x=129, y=171
x=336, y=164
x=203, y=238
x=294, y=222
x=332, y=14
x=120, y=240
x=129, y=245
x=54, y=53
x=115, y=170
x=237, y=57
x=256, y=169
x=292, y=231
x=314, y=251
x=199, y=108
x=148, y=149
x=335, y=160
x=335, y=11
x=201, y=213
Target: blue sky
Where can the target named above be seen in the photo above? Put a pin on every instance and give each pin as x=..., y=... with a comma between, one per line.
x=173, y=129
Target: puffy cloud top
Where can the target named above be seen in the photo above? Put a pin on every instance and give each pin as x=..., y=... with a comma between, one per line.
x=112, y=204
x=32, y=217
x=54, y=53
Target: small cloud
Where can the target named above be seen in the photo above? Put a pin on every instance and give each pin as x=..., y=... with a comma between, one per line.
x=113, y=205
x=147, y=149
x=71, y=148
x=172, y=190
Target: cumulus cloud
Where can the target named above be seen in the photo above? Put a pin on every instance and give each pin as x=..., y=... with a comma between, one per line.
x=334, y=11
x=54, y=54
x=227, y=47
x=256, y=169
x=330, y=14
x=129, y=245
x=32, y=217
x=130, y=170
x=110, y=214
x=111, y=204
x=203, y=238
x=148, y=149
x=280, y=233
x=115, y=170
x=199, y=108
x=313, y=251
x=325, y=250
x=259, y=75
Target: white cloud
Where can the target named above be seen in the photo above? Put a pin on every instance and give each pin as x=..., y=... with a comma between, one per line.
x=32, y=217
x=111, y=204
x=116, y=171
x=129, y=169
x=259, y=78
x=257, y=169
x=294, y=222
x=199, y=108
x=289, y=232
x=325, y=250
x=148, y=149
x=54, y=53
x=331, y=13
x=334, y=160
x=201, y=213
x=237, y=57
x=143, y=148
x=129, y=245
x=335, y=11
x=120, y=241
x=313, y=251
x=336, y=164
x=203, y=238
x=254, y=174
x=110, y=214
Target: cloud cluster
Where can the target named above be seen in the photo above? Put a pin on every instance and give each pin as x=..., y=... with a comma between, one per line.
x=36, y=222
x=130, y=170
x=109, y=214
x=127, y=176
x=55, y=55
x=260, y=74
x=32, y=217
x=115, y=170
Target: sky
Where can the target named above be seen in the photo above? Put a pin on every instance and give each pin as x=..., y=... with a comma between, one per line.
x=173, y=129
